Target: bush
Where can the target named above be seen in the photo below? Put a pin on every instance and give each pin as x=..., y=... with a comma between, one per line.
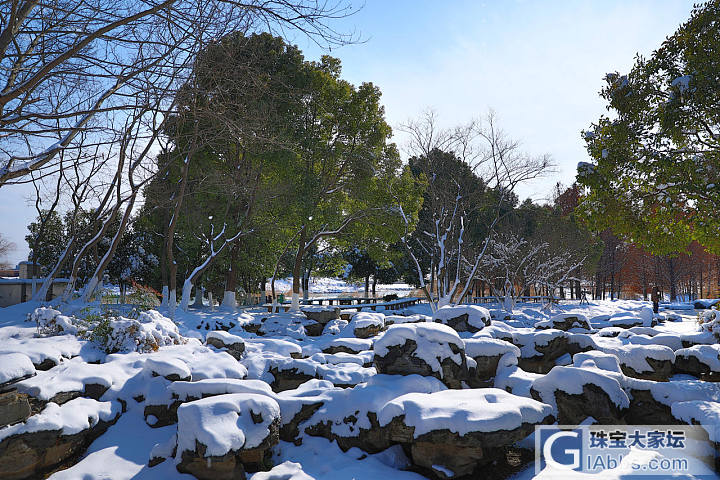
x=51, y=322
x=110, y=331
x=144, y=297
x=709, y=321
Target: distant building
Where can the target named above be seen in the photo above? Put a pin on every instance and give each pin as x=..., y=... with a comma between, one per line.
x=16, y=285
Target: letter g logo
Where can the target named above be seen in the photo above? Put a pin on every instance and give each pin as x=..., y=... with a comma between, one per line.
x=573, y=452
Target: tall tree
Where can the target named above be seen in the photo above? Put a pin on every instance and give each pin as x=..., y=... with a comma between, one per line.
x=341, y=180
x=482, y=162
x=655, y=176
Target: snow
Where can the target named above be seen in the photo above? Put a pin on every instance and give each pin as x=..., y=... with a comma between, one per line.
x=682, y=83
x=635, y=356
x=71, y=376
x=572, y=380
x=69, y=418
x=529, y=339
x=370, y=396
x=464, y=411
x=478, y=316
x=706, y=354
x=354, y=344
x=433, y=342
x=579, y=318
x=324, y=460
x=225, y=423
x=228, y=339
x=367, y=319
x=14, y=366
x=217, y=386
x=512, y=378
x=334, y=327
x=345, y=388
x=280, y=347
x=417, y=318
x=595, y=359
x=345, y=373
x=285, y=471
x=318, y=308
x=488, y=347
x=167, y=366
x=701, y=412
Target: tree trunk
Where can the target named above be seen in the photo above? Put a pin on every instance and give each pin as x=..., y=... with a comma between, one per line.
x=297, y=272
x=374, y=285
x=306, y=283
x=164, y=265
x=97, y=276
x=367, y=285
x=172, y=264
x=673, y=279
x=229, y=299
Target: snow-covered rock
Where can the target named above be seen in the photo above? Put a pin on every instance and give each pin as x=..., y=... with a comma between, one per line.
x=700, y=412
x=367, y=324
x=334, y=327
x=644, y=317
x=321, y=314
x=277, y=346
x=234, y=345
x=651, y=362
x=428, y=349
x=540, y=349
x=285, y=471
x=565, y=321
x=53, y=436
x=487, y=352
x=417, y=318
x=172, y=369
x=595, y=359
x=14, y=367
x=701, y=361
x=289, y=373
x=161, y=407
x=224, y=436
x=71, y=379
x=349, y=416
x=463, y=318
x=345, y=374
x=348, y=345
x=453, y=433
x=577, y=393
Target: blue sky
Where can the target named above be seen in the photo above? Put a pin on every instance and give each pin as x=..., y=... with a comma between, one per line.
x=538, y=64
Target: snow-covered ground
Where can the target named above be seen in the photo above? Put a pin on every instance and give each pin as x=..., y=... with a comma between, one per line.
x=379, y=396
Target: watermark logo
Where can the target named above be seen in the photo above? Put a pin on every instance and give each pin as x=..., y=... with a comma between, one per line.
x=561, y=449
x=636, y=450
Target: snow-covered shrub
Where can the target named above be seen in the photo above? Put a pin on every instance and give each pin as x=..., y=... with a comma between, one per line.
x=709, y=321
x=51, y=322
x=112, y=332
x=145, y=334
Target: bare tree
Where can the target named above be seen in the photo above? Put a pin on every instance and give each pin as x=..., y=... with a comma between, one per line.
x=6, y=247
x=69, y=66
x=512, y=264
x=501, y=165
x=71, y=74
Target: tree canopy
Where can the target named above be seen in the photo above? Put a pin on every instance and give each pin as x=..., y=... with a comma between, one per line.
x=656, y=174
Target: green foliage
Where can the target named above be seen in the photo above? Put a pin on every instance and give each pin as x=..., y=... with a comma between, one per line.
x=656, y=180
x=48, y=246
